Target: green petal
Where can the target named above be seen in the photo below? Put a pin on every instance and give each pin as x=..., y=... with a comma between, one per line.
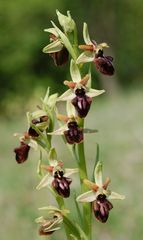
x=115, y=195
x=85, y=57
x=59, y=131
x=65, y=41
x=94, y=92
x=68, y=95
x=70, y=171
x=98, y=174
x=89, y=196
x=86, y=35
x=55, y=46
x=74, y=71
x=46, y=180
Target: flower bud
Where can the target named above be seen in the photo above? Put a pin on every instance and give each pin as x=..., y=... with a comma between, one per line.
x=73, y=134
x=61, y=184
x=32, y=132
x=101, y=208
x=81, y=102
x=104, y=63
x=66, y=22
x=46, y=226
x=22, y=152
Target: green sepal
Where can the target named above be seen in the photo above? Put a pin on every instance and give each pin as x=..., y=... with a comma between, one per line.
x=52, y=31
x=74, y=71
x=86, y=35
x=55, y=46
x=52, y=154
x=65, y=41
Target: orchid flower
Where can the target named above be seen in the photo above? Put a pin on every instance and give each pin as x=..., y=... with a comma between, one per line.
x=99, y=195
x=57, y=177
x=79, y=93
x=93, y=52
x=52, y=222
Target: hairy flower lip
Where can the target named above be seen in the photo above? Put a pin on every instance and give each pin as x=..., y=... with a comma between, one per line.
x=104, y=65
x=73, y=134
x=22, y=152
x=101, y=208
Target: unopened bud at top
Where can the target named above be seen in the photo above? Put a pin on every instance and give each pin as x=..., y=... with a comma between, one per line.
x=66, y=22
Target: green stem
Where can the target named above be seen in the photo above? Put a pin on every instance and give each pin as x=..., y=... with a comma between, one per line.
x=83, y=175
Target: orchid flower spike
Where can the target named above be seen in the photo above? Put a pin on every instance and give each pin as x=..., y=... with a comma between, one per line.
x=93, y=52
x=99, y=195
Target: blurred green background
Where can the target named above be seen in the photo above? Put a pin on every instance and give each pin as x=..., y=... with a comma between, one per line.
x=25, y=74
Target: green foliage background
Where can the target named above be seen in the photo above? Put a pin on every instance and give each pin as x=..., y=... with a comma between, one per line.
x=26, y=72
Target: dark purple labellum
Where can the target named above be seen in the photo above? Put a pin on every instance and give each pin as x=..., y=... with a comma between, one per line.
x=22, y=152
x=104, y=63
x=101, y=208
x=73, y=134
x=32, y=132
x=61, y=184
x=81, y=102
x=60, y=58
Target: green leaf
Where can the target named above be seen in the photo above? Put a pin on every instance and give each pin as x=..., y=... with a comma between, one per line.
x=65, y=41
x=71, y=226
x=82, y=233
